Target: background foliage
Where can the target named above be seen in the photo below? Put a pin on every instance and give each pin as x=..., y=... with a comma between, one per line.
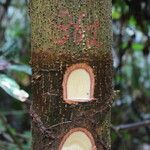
x=131, y=51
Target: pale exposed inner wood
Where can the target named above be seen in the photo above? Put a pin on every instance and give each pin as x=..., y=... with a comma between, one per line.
x=78, y=85
x=77, y=141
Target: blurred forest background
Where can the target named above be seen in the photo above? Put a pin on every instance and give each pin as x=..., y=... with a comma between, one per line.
x=131, y=51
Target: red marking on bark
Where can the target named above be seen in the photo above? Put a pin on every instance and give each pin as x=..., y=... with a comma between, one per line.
x=78, y=30
x=92, y=41
x=64, y=28
x=77, y=130
x=78, y=33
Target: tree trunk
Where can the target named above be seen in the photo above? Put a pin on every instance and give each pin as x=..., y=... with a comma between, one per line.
x=72, y=74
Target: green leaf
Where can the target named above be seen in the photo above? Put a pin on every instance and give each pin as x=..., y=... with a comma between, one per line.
x=127, y=136
x=113, y=136
x=124, y=45
x=132, y=21
x=137, y=46
x=116, y=13
x=12, y=88
x=21, y=68
x=27, y=134
x=2, y=128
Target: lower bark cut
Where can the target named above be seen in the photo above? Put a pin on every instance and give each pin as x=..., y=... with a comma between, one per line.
x=78, y=139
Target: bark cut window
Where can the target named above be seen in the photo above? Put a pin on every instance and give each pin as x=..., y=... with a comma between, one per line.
x=78, y=83
x=78, y=139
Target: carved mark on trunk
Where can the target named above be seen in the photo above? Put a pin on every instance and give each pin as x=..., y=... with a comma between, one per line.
x=78, y=84
x=81, y=32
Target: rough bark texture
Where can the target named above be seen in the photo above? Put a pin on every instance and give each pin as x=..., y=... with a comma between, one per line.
x=58, y=42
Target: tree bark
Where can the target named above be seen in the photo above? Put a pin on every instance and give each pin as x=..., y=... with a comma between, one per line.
x=70, y=34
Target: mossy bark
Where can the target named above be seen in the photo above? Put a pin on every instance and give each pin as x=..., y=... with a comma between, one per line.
x=82, y=35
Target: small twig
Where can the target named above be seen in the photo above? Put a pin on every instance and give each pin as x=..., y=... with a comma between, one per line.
x=16, y=141
x=138, y=113
x=132, y=125
x=38, y=122
x=59, y=124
